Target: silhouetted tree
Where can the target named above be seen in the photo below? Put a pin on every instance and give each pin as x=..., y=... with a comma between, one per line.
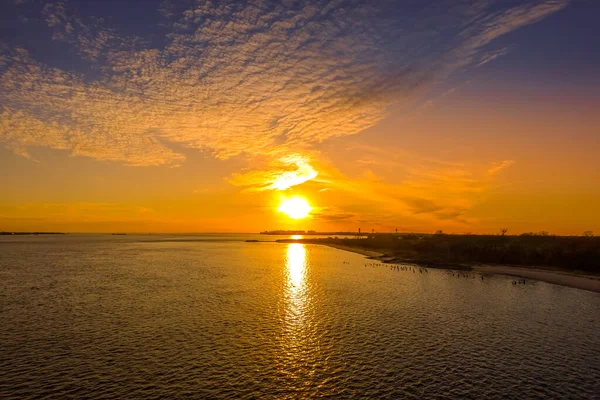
x=588, y=234
x=503, y=231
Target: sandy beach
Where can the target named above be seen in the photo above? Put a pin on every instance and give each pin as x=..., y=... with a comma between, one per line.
x=585, y=282
x=364, y=252
x=563, y=278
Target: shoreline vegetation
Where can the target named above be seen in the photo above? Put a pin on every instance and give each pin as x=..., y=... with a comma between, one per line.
x=572, y=261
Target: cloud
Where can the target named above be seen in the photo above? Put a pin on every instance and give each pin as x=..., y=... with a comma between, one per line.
x=232, y=77
x=332, y=214
x=485, y=27
x=288, y=171
x=428, y=193
x=497, y=167
x=420, y=206
x=302, y=173
x=492, y=55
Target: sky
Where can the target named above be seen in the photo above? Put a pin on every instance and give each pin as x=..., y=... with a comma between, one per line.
x=465, y=116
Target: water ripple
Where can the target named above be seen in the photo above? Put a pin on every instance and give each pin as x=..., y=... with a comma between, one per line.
x=112, y=319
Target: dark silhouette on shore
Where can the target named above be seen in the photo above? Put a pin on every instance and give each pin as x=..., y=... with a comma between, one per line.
x=575, y=253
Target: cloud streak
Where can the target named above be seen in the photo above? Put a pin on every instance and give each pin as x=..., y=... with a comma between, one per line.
x=497, y=167
x=282, y=174
x=431, y=192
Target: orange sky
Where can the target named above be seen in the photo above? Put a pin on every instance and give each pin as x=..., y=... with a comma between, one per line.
x=179, y=138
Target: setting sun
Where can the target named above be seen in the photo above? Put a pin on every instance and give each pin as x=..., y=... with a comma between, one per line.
x=295, y=207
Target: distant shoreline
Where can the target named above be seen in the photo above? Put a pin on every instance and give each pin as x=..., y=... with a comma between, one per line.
x=554, y=276
x=30, y=233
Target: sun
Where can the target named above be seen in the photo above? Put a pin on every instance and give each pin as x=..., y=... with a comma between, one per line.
x=295, y=207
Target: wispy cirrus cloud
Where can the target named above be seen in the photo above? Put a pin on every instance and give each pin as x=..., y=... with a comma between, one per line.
x=333, y=214
x=499, y=166
x=491, y=56
x=429, y=192
x=233, y=77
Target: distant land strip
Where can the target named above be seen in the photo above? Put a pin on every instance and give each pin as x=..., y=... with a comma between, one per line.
x=32, y=233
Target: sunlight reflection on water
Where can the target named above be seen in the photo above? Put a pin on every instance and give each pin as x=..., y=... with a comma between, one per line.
x=296, y=295
x=296, y=338
x=296, y=268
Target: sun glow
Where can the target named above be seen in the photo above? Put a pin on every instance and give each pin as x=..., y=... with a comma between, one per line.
x=295, y=207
